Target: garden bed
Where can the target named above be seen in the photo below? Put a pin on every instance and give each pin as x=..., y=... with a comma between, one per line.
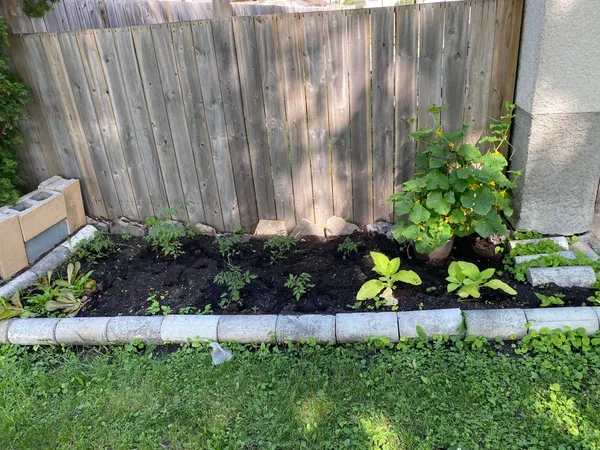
x=128, y=277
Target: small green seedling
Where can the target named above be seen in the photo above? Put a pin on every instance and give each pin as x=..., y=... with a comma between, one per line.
x=595, y=299
x=390, y=275
x=155, y=306
x=551, y=300
x=347, y=247
x=234, y=279
x=67, y=303
x=228, y=247
x=13, y=308
x=165, y=235
x=279, y=247
x=299, y=284
x=239, y=230
x=467, y=278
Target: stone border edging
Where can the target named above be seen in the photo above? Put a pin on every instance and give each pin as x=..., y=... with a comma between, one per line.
x=340, y=328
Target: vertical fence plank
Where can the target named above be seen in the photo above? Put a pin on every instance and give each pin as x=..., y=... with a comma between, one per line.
x=82, y=88
x=506, y=53
x=254, y=112
x=316, y=109
x=171, y=90
x=456, y=41
x=157, y=111
x=338, y=109
x=295, y=108
x=382, y=26
x=117, y=89
x=196, y=118
x=479, y=63
x=234, y=118
x=407, y=25
x=74, y=17
x=272, y=91
x=215, y=119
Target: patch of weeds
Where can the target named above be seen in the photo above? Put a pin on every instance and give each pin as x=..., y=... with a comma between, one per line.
x=165, y=235
x=193, y=310
x=594, y=299
x=13, y=308
x=239, y=230
x=519, y=271
x=279, y=247
x=572, y=239
x=556, y=341
x=347, y=247
x=299, y=284
x=155, y=305
x=234, y=278
x=126, y=237
x=520, y=235
x=91, y=250
x=536, y=248
x=551, y=300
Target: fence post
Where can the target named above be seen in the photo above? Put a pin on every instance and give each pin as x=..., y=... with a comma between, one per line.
x=222, y=9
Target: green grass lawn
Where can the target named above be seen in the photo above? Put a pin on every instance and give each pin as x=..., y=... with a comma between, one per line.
x=360, y=396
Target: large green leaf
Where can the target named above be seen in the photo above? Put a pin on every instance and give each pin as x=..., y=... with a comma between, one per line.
x=468, y=199
x=436, y=179
x=411, y=231
x=464, y=172
x=397, y=230
x=469, y=151
x=484, y=199
x=497, y=284
x=469, y=269
x=457, y=216
x=407, y=276
x=471, y=290
x=392, y=267
x=487, y=225
x=419, y=214
x=370, y=289
x=403, y=206
x=438, y=202
x=381, y=262
x=414, y=184
x=457, y=184
x=487, y=274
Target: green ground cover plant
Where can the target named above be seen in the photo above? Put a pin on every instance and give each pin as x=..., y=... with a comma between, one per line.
x=413, y=395
x=234, y=278
x=92, y=250
x=347, y=247
x=299, y=284
x=551, y=300
x=536, y=248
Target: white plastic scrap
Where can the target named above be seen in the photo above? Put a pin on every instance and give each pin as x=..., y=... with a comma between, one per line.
x=219, y=354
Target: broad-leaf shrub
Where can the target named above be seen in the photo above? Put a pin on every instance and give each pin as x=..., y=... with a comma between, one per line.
x=457, y=189
x=467, y=278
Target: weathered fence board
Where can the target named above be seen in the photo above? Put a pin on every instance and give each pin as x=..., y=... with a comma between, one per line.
x=289, y=117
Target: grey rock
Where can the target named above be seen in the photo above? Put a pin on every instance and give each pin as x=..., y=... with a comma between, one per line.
x=86, y=233
x=101, y=225
x=175, y=223
x=271, y=228
x=552, y=318
x=306, y=228
x=247, y=329
x=125, y=226
x=356, y=327
x=204, y=230
x=336, y=226
x=4, y=324
x=124, y=329
x=565, y=276
x=21, y=282
x=243, y=237
x=496, y=323
x=32, y=331
x=584, y=248
x=560, y=240
x=384, y=228
x=82, y=331
x=321, y=328
x=433, y=322
x=179, y=329
x=524, y=258
x=51, y=261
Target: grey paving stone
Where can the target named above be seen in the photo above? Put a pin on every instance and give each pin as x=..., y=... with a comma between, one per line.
x=584, y=248
x=321, y=328
x=247, y=329
x=88, y=232
x=51, y=261
x=356, y=327
x=572, y=317
x=560, y=240
x=493, y=323
x=181, y=329
x=433, y=322
x=524, y=258
x=32, y=331
x=384, y=228
x=271, y=228
x=82, y=331
x=21, y=282
x=336, y=226
x=4, y=324
x=564, y=276
x=124, y=329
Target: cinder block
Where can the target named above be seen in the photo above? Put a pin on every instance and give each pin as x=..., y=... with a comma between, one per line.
x=88, y=232
x=247, y=329
x=13, y=257
x=552, y=318
x=433, y=322
x=47, y=239
x=321, y=328
x=82, y=331
x=51, y=261
x=356, y=327
x=181, y=329
x=4, y=324
x=39, y=210
x=524, y=258
x=71, y=189
x=564, y=276
x=32, y=331
x=496, y=323
x=560, y=240
x=124, y=329
x=24, y=280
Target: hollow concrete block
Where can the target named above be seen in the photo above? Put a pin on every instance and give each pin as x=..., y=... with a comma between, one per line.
x=13, y=256
x=71, y=189
x=39, y=210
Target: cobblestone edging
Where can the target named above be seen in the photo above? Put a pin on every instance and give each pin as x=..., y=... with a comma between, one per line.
x=339, y=328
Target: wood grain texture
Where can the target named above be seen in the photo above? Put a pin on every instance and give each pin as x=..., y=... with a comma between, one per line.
x=295, y=108
x=382, y=29
x=316, y=110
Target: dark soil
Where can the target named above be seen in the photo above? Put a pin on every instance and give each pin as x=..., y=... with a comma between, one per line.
x=128, y=277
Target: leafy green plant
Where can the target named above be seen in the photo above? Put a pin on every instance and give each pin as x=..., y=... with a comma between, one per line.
x=594, y=299
x=536, y=248
x=347, y=247
x=572, y=239
x=91, y=250
x=13, y=308
x=519, y=271
x=239, y=230
x=279, y=247
x=467, y=278
x=67, y=303
x=37, y=8
x=457, y=189
x=556, y=341
x=156, y=307
x=299, y=284
x=228, y=247
x=126, y=237
x=389, y=275
x=165, y=235
x=234, y=278
x=551, y=300
x=527, y=234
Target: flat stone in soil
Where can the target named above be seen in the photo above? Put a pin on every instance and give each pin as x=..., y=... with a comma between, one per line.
x=564, y=276
x=271, y=228
x=524, y=258
x=21, y=282
x=32, y=331
x=82, y=331
x=384, y=228
x=356, y=327
x=121, y=330
x=181, y=329
x=433, y=322
x=247, y=329
x=321, y=328
x=552, y=318
x=306, y=228
x=560, y=240
x=492, y=323
x=125, y=226
x=336, y=226
x=205, y=230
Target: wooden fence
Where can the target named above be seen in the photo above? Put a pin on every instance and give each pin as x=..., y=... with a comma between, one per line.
x=283, y=117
